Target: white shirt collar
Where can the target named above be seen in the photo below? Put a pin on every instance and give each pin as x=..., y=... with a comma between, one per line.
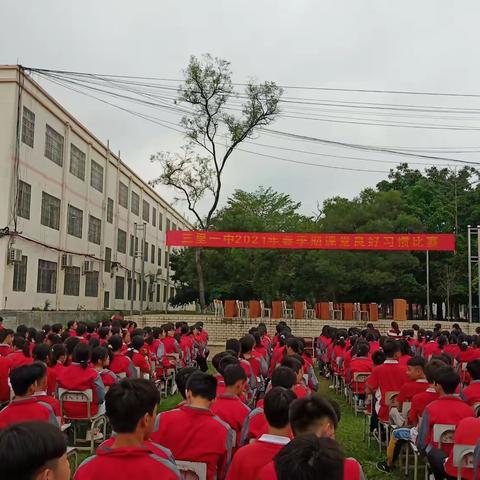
x=39, y=394
x=422, y=380
x=430, y=390
x=276, y=439
x=390, y=362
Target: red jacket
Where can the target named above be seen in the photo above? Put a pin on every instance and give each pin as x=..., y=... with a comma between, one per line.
x=140, y=361
x=250, y=459
x=388, y=377
x=108, y=377
x=127, y=464
x=26, y=410
x=471, y=394
x=171, y=345
x=17, y=359
x=152, y=446
x=448, y=409
x=4, y=373
x=351, y=471
x=232, y=411
x=197, y=435
x=410, y=389
x=359, y=365
x=419, y=402
x=254, y=427
x=53, y=402
x=122, y=364
x=74, y=377
x=5, y=349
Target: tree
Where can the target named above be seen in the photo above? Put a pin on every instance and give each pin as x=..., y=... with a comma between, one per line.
x=197, y=171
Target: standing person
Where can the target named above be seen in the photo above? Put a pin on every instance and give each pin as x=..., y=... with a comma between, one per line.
x=130, y=406
x=394, y=331
x=33, y=451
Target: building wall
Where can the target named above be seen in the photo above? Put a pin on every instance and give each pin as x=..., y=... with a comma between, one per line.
x=44, y=175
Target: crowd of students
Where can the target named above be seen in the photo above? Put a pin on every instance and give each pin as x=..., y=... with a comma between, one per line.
x=257, y=417
x=436, y=374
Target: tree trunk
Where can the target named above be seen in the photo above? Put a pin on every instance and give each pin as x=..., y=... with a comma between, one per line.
x=201, y=282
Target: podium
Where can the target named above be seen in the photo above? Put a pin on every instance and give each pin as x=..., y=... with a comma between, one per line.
x=399, y=309
x=298, y=310
x=373, y=312
x=230, y=309
x=347, y=311
x=323, y=311
x=254, y=310
x=277, y=309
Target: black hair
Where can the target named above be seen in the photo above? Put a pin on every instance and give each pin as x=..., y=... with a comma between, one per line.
x=4, y=333
x=431, y=368
x=41, y=352
x=232, y=374
x=390, y=348
x=276, y=406
x=20, y=343
x=473, y=369
x=226, y=361
x=417, y=362
x=378, y=357
x=93, y=342
x=99, y=353
x=81, y=329
x=71, y=323
x=202, y=385
x=448, y=379
x=305, y=413
x=404, y=347
x=71, y=343
x=362, y=348
x=295, y=344
x=40, y=370
x=181, y=378
x=127, y=401
x=116, y=342
x=217, y=358
x=81, y=354
x=58, y=350
x=57, y=327
x=309, y=457
x=292, y=363
x=136, y=344
x=46, y=328
x=283, y=377
x=54, y=338
x=27, y=448
x=234, y=345
x=247, y=343
x=21, y=378
x=103, y=332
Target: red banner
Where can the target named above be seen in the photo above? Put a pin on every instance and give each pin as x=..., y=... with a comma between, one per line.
x=313, y=241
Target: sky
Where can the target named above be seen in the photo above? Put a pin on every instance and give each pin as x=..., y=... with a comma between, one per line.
x=421, y=46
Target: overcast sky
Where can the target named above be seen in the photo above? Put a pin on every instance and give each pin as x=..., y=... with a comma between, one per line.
x=365, y=44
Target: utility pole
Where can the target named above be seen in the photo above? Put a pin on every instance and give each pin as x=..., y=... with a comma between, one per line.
x=142, y=275
x=428, y=285
x=137, y=253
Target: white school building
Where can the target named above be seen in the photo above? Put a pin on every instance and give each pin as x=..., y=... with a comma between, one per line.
x=68, y=207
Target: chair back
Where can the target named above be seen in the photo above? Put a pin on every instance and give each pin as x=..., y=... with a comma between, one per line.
x=192, y=470
x=75, y=396
x=389, y=398
x=406, y=406
x=476, y=408
x=443, y=433
x=121, y=375
x=463, y=456
x=360, y=377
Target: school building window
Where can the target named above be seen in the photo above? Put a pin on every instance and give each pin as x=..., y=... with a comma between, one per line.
x=94, y=229
x=135, y=203
x=160, y=221
x=74, y=221
x=110, y=210
x=24, y=198
x=28, y=127
x=72, y=281
x=121, y=241
x=154, y=216
x=54, y=146
x=91, y=284
x=77, y=162
x=47, y=277
x=145, y=252
x=108, y=260
x=159, y=257
x=20, y=275
x=123, y=194
x=119, y=288
x=152, y=254
x=158, y=293
x=50, y=211
x=96, y=176
x=146, y=211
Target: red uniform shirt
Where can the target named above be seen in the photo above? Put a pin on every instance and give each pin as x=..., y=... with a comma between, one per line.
x=152, y=446
x=410, y=389
x=388, y=377
x=250, y=459
x=122, y=364
x=26, y=410
x=232, y=411
x=471, y=394
x=4, y=373
x=466, y=433
x=5, y=349
x=196, y=435
x=171, y=345
x=359, y=365
x=140, y=361
x=17, y=359
x=108, y=377
x=75, y=377
x=300, y=390
x=53, y=402
x=127, y=464
x=447, y=410
x=419, y=402
x=351, y=471
x=254, y=427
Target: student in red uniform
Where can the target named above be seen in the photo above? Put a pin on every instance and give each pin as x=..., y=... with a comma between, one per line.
x=139, y=360
x=250, y=459
x=41, y=353
x=181, y=379
x=360, y=363
x=228, y=405
x=130, y=406
x=448, y=409
x=471, y=394
x=21, y=353
x=296, y=364
x=33, y=451
x=6, y=339
x=234, y=345
x=100, y=362
x=388, y=377
x=256, y=423
x=193, y=432
x=4, y=386
x=58, y=356
x=25, y=406
x=41, y=393
x=120, y=364
x=80, y=376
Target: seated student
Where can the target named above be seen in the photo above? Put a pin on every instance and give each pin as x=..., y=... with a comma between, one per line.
x=318, y=416
x=228, y=405
x=448, y=409
x=6, y=339
x=233, y=345
x=41, y=353
x=295, y=363
x=80, y=376
x=25, y=406
x=41, y=385
x=120, y=364
x=181, y=379
x=226, y=361
x=306, y=456
x=193, y=433
x=33, y=451
x=139, y=360
x=388, y=377
x=471, y=394
x=296, y=346
x=256, y=423
x=466, y=433
x=360, y=363
x=130, y=406
x=21, y=353
x=57, y=359
x=100, y=361
x=417, y=384
x=4, y=386
x=247, y=344
x=250, y=459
